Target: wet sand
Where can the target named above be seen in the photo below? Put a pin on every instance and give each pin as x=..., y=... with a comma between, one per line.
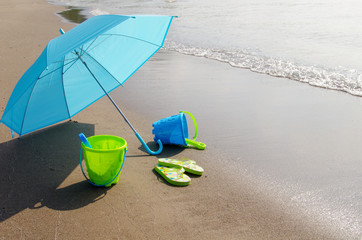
x=294, y=143
x=43, y=194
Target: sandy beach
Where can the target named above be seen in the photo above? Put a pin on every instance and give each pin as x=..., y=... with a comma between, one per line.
x=43, y=194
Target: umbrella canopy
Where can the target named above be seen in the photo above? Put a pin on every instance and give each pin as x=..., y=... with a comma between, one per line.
x=81, y=66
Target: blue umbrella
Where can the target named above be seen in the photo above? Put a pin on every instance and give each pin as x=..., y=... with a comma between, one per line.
x=80, y=67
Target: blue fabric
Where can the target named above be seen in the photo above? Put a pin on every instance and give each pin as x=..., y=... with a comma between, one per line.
x=59, y=85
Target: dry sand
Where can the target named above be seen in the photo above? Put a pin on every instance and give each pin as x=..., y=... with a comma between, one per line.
x=43, y=194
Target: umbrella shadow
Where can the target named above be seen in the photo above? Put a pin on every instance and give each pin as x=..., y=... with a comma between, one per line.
x=72, y=197
x=33, y=167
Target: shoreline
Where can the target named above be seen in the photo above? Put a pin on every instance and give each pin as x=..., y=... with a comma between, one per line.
x=50, y=199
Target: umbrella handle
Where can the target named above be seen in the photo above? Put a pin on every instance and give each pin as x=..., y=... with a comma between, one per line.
x=147, y=148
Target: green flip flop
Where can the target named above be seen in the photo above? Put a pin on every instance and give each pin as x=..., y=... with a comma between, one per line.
x=174, y=175
x=189, y=165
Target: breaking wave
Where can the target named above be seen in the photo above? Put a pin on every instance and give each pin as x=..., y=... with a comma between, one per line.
x=341, y=79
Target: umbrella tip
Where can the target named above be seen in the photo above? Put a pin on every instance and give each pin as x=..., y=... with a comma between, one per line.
x=61, y=31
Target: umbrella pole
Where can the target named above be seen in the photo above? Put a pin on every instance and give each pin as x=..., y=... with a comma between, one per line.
x=124, y=117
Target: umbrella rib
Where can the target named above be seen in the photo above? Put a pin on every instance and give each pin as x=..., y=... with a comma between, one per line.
x=90, y=44
x=56, y=69
x=86, y=50
x=26, y=108
x=65, y=98
x=90, y=56
x=73, y=62
x=69, y=59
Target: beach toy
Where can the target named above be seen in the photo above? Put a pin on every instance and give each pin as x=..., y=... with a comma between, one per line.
x=173, y=130
x=84, y=140
x=104, y=161
x=189, y=165
x=174, y=176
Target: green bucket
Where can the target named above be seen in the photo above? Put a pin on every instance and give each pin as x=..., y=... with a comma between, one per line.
x=104, y=161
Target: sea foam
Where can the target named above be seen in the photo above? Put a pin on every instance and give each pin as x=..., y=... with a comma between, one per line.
x=97, y=11
x=341, y=79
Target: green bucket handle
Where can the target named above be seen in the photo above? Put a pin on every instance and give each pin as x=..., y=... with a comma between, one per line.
x=198, y=145
x=192, y=142
x=101, y=185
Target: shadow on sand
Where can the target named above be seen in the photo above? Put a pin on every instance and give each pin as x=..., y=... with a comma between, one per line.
x=168, y=150
x=33, y=167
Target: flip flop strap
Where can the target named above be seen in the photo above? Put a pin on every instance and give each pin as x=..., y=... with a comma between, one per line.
x=179, y=171
x=182, y=163
x=187, y=163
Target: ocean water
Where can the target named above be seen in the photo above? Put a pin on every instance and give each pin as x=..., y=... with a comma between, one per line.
x=316, y=42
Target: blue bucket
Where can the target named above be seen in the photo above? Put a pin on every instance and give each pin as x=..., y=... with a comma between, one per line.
x=174, y=130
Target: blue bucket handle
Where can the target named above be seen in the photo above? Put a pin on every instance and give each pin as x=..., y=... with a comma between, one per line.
x=102, y=185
